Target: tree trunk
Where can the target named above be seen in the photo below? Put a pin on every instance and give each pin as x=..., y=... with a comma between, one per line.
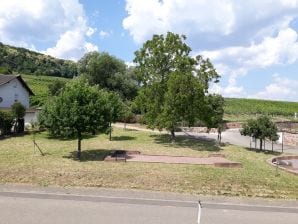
x=173, y=135
x=79, y=145
x=219, y=136
x=110, y=131
x=261, y=144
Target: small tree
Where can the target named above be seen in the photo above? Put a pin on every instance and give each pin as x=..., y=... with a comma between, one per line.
x=79, y=109
x=115, y=110
x=213, y=113
x=260, y=128
x=6, y=122
x=18, y=111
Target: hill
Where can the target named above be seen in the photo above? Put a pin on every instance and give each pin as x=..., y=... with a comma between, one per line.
x=243, y=109
x=24, y=61
x=39, y=86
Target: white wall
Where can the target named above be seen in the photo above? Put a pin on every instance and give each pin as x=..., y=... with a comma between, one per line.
x=31, y=116
x=13, y=91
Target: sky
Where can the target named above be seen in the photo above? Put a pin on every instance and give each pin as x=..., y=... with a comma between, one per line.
x=252, y=44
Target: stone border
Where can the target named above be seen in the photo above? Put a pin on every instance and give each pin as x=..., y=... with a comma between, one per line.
x=129, y=155
x=295, y=172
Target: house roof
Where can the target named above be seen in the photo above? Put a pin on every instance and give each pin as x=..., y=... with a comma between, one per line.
x=7, y=78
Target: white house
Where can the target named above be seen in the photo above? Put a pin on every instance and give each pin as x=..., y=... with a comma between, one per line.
x=13, y=89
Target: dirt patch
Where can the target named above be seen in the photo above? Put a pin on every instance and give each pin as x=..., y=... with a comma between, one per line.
x=216, y=160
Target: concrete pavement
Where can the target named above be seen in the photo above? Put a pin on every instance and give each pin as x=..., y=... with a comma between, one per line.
x=230, y=136
x=25, y=204
x=233, y=136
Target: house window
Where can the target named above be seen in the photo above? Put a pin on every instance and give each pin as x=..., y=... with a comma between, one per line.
x=16, y=96
x=1, y=99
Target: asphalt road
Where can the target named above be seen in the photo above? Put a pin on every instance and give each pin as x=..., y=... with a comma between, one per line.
x=43, y=206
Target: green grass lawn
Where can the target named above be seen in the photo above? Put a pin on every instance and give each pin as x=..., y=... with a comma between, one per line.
x=20, y=164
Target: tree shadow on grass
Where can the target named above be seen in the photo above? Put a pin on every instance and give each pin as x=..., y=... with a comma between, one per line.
x=14, y=135
x=84, y=137
x=89, y=155
x=265, y=152
x=122, y=138
x=195, y=143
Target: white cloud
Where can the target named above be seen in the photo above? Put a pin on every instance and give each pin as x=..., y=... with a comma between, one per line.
x=237, y=36
x=282, y=49
x=209, y=24
x=90, y=31
x=58, y=23
x=281, y=88
x=104, y=34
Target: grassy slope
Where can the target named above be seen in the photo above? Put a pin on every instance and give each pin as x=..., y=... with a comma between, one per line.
x=19, y=164
x=39, y=85
x=243, y=109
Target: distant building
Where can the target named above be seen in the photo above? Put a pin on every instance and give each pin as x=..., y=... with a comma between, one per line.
x=14, y=89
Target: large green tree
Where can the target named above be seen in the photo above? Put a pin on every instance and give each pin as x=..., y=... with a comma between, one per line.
x=173, y=83
x=260, y=128
x=110, y=73
x=78, y=109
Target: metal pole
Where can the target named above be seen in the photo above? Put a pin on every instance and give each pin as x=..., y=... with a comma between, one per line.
x=199, y=212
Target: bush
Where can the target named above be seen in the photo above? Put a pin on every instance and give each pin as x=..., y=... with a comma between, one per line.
x=6, y=122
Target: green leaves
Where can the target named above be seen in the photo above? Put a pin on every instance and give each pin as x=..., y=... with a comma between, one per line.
x=173, y=83
x=80, y=108
x=18, y=110
x=260, y=128
x=109, y=73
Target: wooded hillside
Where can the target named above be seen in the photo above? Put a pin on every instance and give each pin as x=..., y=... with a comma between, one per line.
x=24, y=61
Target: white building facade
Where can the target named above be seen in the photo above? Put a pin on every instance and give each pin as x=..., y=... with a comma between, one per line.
x=13, y=89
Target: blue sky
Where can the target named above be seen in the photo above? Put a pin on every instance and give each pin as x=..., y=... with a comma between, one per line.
x=253, y=44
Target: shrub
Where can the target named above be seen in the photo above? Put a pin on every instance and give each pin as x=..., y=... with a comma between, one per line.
x=6, y=122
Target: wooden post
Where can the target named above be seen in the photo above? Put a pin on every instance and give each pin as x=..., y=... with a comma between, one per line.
x=282, y=142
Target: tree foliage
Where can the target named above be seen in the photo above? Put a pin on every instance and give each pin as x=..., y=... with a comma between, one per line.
x=21, y=60
x=116, y=109
x=108, y=72
x=79, y=109
x=214, y=112
x=6, y=122
x=18, y=112
x=173, y=82
x=56, y=87
x=260, y=128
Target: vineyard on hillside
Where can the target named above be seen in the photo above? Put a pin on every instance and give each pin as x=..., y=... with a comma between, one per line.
x=39, y=86
x=245, y=108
